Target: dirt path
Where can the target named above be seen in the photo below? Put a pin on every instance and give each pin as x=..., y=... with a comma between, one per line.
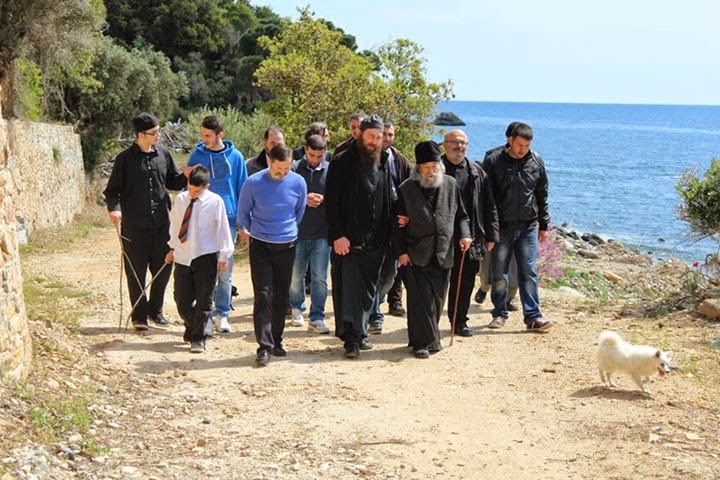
x=502, y=404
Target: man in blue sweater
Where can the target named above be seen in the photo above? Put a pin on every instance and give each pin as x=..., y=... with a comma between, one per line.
x=272, y=205
x=227, y=175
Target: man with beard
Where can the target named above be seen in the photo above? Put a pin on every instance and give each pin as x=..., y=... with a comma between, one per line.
x=433, y=216
x=358, y=204
x=479, y=203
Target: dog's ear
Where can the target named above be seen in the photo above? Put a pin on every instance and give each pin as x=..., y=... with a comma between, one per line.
x=658, y=353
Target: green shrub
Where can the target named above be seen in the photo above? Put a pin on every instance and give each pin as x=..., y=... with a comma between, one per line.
x=28, y=90
x=700, y=197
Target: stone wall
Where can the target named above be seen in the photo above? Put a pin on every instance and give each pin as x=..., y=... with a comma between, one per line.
x=47, y=163
x=15, y=346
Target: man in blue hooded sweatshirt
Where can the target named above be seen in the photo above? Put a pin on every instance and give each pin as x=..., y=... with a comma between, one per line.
x=227, y=175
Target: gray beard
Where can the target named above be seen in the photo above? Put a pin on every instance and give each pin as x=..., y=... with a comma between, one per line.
x=425, y=183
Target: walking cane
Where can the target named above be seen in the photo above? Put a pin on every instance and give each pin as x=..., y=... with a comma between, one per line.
x=457, y=296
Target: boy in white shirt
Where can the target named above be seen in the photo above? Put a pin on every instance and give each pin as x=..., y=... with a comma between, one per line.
x=200, y=245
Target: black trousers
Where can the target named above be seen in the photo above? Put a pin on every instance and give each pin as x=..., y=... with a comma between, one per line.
x=467, y=283
x=394, y=296
x=271, y=271
x=194, y=290
x=354, y=285
x=426, y=290
x=146, y=248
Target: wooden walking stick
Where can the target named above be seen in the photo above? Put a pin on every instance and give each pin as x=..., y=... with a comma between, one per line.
x=457, y=297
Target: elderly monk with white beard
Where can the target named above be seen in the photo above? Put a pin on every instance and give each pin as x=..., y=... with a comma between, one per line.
x=432, y=221
x=359, y=203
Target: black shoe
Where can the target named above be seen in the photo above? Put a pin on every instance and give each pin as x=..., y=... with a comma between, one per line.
x=422, y=353
x=160, y=319
x=288, y=312
x=197, y=347
x=140, y=326
x=279, y=351
x=352, y=350
x=366, y=344
x=463, y=331
x=396, y=310
x=263, y=357
x=480, y=296
x=511, y=306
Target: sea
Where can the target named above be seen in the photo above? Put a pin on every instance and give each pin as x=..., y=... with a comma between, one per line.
x=612, y=168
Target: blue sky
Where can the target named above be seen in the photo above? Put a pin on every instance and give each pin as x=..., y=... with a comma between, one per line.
x=630, y=51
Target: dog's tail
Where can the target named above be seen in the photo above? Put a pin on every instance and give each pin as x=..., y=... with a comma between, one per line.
x=609, y=338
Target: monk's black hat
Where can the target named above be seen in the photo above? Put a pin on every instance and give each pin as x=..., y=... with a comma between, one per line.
x=427, y=152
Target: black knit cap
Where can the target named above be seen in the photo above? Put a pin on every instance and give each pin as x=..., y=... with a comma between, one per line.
x=145, y=121
x=427, y=152
x=372, y=121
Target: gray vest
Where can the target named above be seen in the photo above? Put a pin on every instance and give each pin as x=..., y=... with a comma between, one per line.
x=430, y=230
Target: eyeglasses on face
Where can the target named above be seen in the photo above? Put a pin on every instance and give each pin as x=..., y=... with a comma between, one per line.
x=459, y=143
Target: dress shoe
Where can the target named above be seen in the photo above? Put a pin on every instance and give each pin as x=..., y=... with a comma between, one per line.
x=140, y=326
x=263, y=357
x=511, y=306
x=279, y=351
x=352, y=350
x=396, y=310
x=366, y=344
x=422, y=353
x=160, y=319
x=463, y=331
x=480, y=296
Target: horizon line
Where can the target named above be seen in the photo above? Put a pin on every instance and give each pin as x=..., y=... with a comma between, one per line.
x=586, y=103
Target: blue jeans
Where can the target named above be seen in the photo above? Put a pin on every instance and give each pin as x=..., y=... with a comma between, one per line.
x=385, y=282
x=316, y=254
x=223, y=290
x=524, y=244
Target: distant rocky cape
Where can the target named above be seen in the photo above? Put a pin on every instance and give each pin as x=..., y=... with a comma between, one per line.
x=447, y=119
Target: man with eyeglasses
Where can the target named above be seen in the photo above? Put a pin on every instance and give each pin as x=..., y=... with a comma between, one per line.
x=137, y=199
x=479, y=203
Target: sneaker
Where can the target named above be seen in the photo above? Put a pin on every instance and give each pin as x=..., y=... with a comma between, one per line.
x=208, y=329
x=317, y=326
x=422, y=353
x=366, y=344
x=511, y=306
x=375, y=328
x=497, y=322
x=539, y=325
x=224, y=325
x=480, y=296
x=463, y=331
x=279, y=351
x=197, y=347
x=297, y=319
x=397, y=310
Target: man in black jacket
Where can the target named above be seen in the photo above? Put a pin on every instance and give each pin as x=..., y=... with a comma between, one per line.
x=434, y=217
x=359, y=198
x=272, y=137
x=354, y=127
x=520, y=185
x=137, y=199
x=390, y=281
x=479, y=203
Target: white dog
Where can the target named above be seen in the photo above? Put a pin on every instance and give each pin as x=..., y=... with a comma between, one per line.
x=638, y=361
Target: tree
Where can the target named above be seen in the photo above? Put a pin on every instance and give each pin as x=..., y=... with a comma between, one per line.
x=700, y=205
x=58, y=36
x=130, y=81
x=213, y=41
x=313, y=76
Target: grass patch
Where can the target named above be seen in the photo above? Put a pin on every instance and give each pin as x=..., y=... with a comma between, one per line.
x=55, y=240
x=53, y=301
x=591, y=284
